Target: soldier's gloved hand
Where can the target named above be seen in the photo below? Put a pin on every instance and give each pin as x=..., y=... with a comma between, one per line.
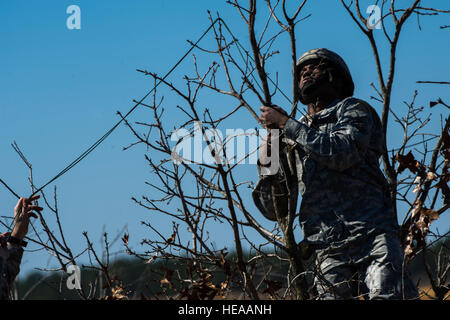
x=273, y=117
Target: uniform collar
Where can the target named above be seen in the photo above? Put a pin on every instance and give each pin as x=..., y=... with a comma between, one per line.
x=322, y=113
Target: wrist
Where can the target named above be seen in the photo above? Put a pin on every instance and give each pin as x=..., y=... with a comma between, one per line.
x=16, y=241
x=17, y=234
x=283, y=121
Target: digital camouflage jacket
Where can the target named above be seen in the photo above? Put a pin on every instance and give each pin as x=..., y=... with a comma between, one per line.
x=9, y=268
x=344, y=193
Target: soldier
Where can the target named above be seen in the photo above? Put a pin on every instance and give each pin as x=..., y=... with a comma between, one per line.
x=346, y=213
x=11, y=245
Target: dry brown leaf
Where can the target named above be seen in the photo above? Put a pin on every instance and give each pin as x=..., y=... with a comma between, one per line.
x=407, y=162
x=224, y=285
x=431, y=214
x=171, y=239
x=431, y=176
x=408, y=250
x=417, y=188
x=152, y=258
x=272, y=286
x=125, y=238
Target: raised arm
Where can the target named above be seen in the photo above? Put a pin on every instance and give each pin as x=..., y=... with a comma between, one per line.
x=346, y=143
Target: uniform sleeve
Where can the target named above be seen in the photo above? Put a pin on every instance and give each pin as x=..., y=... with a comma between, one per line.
x=3, y=280
x=9, y=268
x=275, y=191
x=345, y=144
x=14, y=260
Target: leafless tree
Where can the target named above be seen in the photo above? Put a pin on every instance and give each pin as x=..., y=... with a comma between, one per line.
x=425, y=178
x=239, y=71
x=193, y=194
x=55, y=245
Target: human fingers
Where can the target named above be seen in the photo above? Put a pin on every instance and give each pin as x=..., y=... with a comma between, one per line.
x=25, y=216
x=19, y=206
x=272, y=107
x=265, y=108
x=272, y=114
x=280, y=110
x=33, y=207
x=31, y=199
x=29, y=211
x=32, y=214
x=264, y=118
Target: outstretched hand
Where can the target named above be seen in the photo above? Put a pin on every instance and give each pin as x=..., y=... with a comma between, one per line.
x=22, y=214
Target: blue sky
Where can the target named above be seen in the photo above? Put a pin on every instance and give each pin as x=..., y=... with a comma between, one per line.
x=60, y=90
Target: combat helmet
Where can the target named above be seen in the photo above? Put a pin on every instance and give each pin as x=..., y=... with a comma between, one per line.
x=322, y=54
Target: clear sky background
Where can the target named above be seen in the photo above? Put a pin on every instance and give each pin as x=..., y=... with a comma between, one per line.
x=60, y=90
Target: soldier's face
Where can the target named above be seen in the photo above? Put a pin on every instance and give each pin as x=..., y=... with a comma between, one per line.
x=309, y=73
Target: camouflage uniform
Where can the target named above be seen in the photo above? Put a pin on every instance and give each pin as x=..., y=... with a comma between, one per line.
x=345, y=213
x=9, y=268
